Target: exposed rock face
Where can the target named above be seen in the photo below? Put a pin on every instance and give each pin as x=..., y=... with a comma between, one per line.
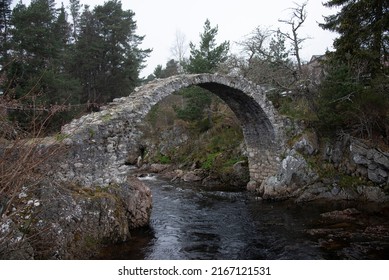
x=157, y=167
x=173, y=139
x=307, y=144
x=356, y=158
x=320, y=190
x=349, y=156
x=374, y=162
x=72, y=223
x=293, y=174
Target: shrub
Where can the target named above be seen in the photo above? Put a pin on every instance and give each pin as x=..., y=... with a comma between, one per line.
x=24, y=165
x=352, y=104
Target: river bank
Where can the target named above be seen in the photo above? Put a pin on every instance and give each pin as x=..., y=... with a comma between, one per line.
x=190, y=221
x=72, y=221
x=57, y=221
x=296, y=181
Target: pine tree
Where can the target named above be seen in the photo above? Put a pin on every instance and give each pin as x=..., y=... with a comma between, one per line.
x=171, y=69
x=353, y=97
x=363, y=28
x=5, y=18
x=107, y=54
x=33, y=45
x=62, y=29
x=75, y=7
x=37, y=77
x=33, y=36
x=85, y=61
x=209, y=55
x=205, y=59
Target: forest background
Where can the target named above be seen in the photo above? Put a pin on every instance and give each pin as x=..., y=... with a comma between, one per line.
x=58, y=63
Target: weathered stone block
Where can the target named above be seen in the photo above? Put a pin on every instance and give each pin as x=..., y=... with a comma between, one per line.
x=381, y=159
x=375, y=176
x=360, y=159
x=307, y=145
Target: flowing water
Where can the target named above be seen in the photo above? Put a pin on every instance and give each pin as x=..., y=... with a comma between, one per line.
x=193, y=222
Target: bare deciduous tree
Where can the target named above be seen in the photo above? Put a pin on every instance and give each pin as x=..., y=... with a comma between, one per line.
x=265, y=59
x=297, y=19
x=256, y=43
x=179, y=48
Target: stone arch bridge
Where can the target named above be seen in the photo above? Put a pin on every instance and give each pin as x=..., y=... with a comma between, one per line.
x=100, y=143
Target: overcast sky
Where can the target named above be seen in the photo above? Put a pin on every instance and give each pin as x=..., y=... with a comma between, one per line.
x=159, y=20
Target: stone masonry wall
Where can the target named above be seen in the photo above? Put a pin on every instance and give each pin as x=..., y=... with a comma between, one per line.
x=103, y=145
x=359, y=159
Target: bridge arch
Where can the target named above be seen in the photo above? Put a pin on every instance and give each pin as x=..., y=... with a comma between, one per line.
x=100, y=142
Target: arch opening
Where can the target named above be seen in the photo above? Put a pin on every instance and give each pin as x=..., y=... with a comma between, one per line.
x=256, y=126
x=211, y=146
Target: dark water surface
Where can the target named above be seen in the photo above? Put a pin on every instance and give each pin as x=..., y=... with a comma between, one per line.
x=192, y=222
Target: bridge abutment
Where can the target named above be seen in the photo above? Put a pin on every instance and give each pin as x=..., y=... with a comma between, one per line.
x=262, y=164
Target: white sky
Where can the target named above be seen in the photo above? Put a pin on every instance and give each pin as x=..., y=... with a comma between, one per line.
x=159, y=20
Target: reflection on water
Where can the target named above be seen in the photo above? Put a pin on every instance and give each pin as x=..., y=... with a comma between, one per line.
x=190, y=222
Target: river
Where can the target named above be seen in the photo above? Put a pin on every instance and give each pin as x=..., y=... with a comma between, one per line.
x=193, y=222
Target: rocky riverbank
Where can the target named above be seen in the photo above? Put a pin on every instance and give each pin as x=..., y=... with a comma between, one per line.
x=235, y=178
x=353, y=233
x=56, y=220
x=346, y=169
x=53, y=221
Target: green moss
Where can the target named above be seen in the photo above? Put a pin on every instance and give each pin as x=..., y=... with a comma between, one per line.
x=347, y=181
x=61, y=136
x=232, y=161
x=208, y=164
x=90, y=242
x=153, y=115
x=328, y=170
x=163, y=159
x=297, y=109
x=106, y=118
x=93, y=193
x=91, y=133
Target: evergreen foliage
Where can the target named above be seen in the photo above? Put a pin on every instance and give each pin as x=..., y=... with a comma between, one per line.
x=363, y=28
x=108, y=52
x=197, y=100
x=75, y=8
x=349, y=105
x=354, y=96
x=5, y=18
x=204, y=59
x=49, y=62
x=208, y=56
x=171, y=69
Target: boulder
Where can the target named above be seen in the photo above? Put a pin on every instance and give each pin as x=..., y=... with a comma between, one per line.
x=71, y=222
x=191, y=176
x=381, y=159
x=369, y=193
x=307, y=144
x=158, y=167
x=346, y=214
x=293, y=174
x=377, y=175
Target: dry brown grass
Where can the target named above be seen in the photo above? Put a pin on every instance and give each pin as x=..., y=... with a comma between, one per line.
x=24, y=165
